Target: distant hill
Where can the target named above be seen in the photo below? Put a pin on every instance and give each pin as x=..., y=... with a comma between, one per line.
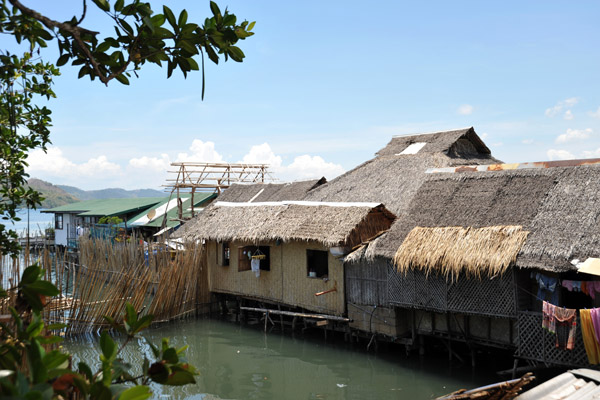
x=53, y=195
x=112, y=193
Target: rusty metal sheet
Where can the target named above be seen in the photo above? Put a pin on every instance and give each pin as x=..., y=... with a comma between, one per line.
x=513, y=166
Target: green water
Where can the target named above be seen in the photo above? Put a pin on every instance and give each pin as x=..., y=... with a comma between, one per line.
x=240, y=362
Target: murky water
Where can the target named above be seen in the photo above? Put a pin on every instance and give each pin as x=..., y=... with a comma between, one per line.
x=240, y=362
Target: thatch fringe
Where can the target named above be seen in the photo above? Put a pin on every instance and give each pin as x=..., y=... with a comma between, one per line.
x=452, y=250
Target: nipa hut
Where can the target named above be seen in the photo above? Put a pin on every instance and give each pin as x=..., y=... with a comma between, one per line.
x=285, y=253
x=393, y=178
x=471, y=253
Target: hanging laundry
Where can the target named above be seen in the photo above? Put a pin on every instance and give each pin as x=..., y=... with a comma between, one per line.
x=584, y=287
x=592, y=348
x=255, y=266
x=593, y=287
x=546, y=284
x=548, y=321
x=566, y=324
x=595, y=314
x=572, y=286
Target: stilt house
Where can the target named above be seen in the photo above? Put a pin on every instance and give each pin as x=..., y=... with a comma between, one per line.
x=284, y=253
x=470, y=252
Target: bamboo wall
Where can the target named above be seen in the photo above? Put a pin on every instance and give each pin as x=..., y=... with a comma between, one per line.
x=287, y=281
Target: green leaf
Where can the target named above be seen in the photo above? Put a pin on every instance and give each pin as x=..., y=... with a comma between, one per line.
x=170, y=16
x=180, y=378
x=108, y=346
x=183, y=16
x=30, y=274
x=170, y=356
x=123, y=79
x=85, y=370
x=55, y=359
x=102, y=47
x=102, y=4
x=194, y=67
x=251, y=25
x=100, y=392
x=119, y=5
x=44, y=288
x=215, y=9
x=131, y=315
x=143, y=323
x=136, y=393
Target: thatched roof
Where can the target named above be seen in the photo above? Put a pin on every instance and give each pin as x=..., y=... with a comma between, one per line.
x=393, y=179
x=454, y=250
x=270, y=191
x=460, y=142
x=560, y=207
x=333, y=224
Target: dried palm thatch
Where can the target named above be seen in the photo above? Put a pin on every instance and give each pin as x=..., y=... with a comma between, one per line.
x=477, y=252
x=333, y=224
x=258, y=192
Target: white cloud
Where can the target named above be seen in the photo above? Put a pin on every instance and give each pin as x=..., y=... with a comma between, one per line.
x=201, y=152
x=262, y=154
x=99, y=165
x=562, y=105
x=559, y=154
x=303, y=167
x=465, y=109
x=592, y=153
x=55, y=163
x=527, y=141
x=52, y=162
x=483, y=135
x=574, y=134
x=310, y=167
x=595, y=114
x=151, y=163
x=568, y=115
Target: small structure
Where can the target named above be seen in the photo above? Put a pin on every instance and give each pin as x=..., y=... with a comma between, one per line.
x=87, y=213
x=393, y=178
x=470, y=262
x=285, y=252
x=165, y=216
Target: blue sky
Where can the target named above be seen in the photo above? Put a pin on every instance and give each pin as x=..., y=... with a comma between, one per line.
x=325, y=84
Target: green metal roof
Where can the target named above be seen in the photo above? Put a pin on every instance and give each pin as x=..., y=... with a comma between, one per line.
x=200, y=200
x=107, y=207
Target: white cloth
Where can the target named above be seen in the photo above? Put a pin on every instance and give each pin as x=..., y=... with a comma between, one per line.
x=255, y=265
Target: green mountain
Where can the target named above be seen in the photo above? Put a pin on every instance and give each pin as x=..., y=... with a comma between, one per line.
x=53, y=195
x=112, y=193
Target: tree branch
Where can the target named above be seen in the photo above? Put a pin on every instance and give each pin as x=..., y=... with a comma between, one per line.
x=50, y=23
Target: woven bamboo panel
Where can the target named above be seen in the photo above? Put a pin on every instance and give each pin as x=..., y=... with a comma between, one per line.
x=401, y=287
x=494, y=297
x=486, y=296
x=537, y=344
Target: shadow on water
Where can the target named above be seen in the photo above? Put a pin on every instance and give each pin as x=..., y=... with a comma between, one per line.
x=240, y=362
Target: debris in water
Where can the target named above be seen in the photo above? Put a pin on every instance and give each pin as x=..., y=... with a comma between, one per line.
x=341, y=385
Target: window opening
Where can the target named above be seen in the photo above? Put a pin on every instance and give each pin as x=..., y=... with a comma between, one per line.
x=317, y=264
x=225, y=254
x=248, y=253
x=58, y=221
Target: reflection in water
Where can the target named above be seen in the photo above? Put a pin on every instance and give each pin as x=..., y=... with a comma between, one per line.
x=243, y=363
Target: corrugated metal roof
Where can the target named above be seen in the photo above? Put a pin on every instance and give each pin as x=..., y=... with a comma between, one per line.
x=169, y=206
x=582, y=384
x=107, y=207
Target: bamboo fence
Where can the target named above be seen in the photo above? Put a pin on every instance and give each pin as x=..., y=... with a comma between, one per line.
x=107, y=275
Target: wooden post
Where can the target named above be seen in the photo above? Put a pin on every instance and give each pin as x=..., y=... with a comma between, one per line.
x=266, y=320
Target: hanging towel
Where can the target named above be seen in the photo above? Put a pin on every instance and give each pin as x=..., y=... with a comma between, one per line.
x=584, y=287
x=548, y=321
x=255, y=266
x=566, y=324
x=592, y=348
x=595, y=314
